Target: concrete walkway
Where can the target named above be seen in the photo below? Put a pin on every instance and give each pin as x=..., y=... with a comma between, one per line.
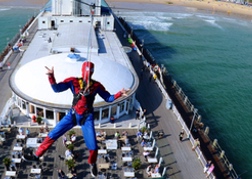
x=180, y=160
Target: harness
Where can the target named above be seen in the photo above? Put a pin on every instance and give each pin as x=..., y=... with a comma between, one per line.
x=84, y=91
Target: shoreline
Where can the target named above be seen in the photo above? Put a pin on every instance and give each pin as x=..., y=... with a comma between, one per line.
x=23, y=3
x=211, y=6
x=219, y=7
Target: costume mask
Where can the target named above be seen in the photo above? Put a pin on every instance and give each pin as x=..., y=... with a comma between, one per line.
x=87, y=70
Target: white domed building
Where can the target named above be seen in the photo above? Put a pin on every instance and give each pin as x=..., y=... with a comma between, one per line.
x=51, y=47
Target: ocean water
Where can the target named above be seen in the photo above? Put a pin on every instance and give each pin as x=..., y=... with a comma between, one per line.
x=12, y=19
x=210, y=57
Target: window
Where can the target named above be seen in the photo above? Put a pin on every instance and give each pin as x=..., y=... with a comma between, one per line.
x=23, y=105
x=61, y=20
x=105, y=113
x=108, y=23
x=40, y=112
x=43, y=22
x=49, y=114
x=60, y=115
x=71, y=21
x=80, y=21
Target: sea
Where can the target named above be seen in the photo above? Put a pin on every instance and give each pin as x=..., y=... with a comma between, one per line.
x=210, y=57
x=208, y=54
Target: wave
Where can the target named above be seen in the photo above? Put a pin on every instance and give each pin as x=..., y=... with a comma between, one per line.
x=151, y=25
x=5, y=9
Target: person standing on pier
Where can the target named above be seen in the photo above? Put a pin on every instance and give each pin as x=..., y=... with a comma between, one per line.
x=84, y=90
x=1, y=65
x=181, y=135
x=196, y=144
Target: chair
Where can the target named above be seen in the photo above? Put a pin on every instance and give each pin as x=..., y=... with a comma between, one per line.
x=31, y=175
x=114, y=166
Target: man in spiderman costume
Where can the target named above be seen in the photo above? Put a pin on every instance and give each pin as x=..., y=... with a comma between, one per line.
x=84, y=90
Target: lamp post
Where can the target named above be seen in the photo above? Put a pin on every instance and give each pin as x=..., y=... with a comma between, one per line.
x=194, y=115
x=142, y=46
x=7, y=40
x=20, y=31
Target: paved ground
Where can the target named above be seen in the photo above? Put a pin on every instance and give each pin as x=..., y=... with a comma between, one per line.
x=180, y=160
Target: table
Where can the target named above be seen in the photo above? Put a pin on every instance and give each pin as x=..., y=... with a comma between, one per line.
x=32, y=142
x=20, y=136
x=126, y=159
x=36, y=170
x=69, y=175
x=103, y=165
x=102, y=151
x=43, y=135
x=10, y=173
x=68, y=142
x=155, y=175
x=129, y=172
x=17, y=148
x=146, y=137
x=16, y=160
x=111, y=144
x=126, y=148
x=152, y=160
x=148, y=148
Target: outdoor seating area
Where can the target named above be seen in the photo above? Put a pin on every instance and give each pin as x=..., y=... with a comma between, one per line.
x=120, y=155
x=15, y=167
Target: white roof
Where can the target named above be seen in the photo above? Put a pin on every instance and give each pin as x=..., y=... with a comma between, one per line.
x=75, y=35
x=32, y=83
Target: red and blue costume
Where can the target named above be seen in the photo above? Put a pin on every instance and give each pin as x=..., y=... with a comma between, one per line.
x=84, y=90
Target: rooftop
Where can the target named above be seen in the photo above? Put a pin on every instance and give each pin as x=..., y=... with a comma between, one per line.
x=111, y=65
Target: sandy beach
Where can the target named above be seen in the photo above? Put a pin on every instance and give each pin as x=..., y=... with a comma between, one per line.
x=23, y=3
x=226, y=8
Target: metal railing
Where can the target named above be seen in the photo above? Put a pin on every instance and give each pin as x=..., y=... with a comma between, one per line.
x=216, y=147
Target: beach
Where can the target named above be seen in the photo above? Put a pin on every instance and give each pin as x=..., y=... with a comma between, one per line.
x=23, y=3
x=225, y=8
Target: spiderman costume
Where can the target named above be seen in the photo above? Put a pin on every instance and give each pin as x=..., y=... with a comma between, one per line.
x=84, y=90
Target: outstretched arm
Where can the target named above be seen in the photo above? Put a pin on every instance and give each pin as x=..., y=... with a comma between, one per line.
x=122, y=92
x=57, y=87
x=110, y=98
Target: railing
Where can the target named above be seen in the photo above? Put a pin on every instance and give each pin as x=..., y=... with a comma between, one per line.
x=221, y=157
x=216, y=147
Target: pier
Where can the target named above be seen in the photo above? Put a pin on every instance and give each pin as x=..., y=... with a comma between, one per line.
x=178, y=159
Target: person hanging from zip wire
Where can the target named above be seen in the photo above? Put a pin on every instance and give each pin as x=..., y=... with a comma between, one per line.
x=84, y=90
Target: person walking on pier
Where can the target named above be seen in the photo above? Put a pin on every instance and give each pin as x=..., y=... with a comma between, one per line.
x=210, y=170
x=196, y=144
x=84, y=90
x=208, y=164
x=1, y=65
x=181, y=136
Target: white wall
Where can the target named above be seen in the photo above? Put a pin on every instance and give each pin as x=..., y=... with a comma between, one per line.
x=62, y=7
